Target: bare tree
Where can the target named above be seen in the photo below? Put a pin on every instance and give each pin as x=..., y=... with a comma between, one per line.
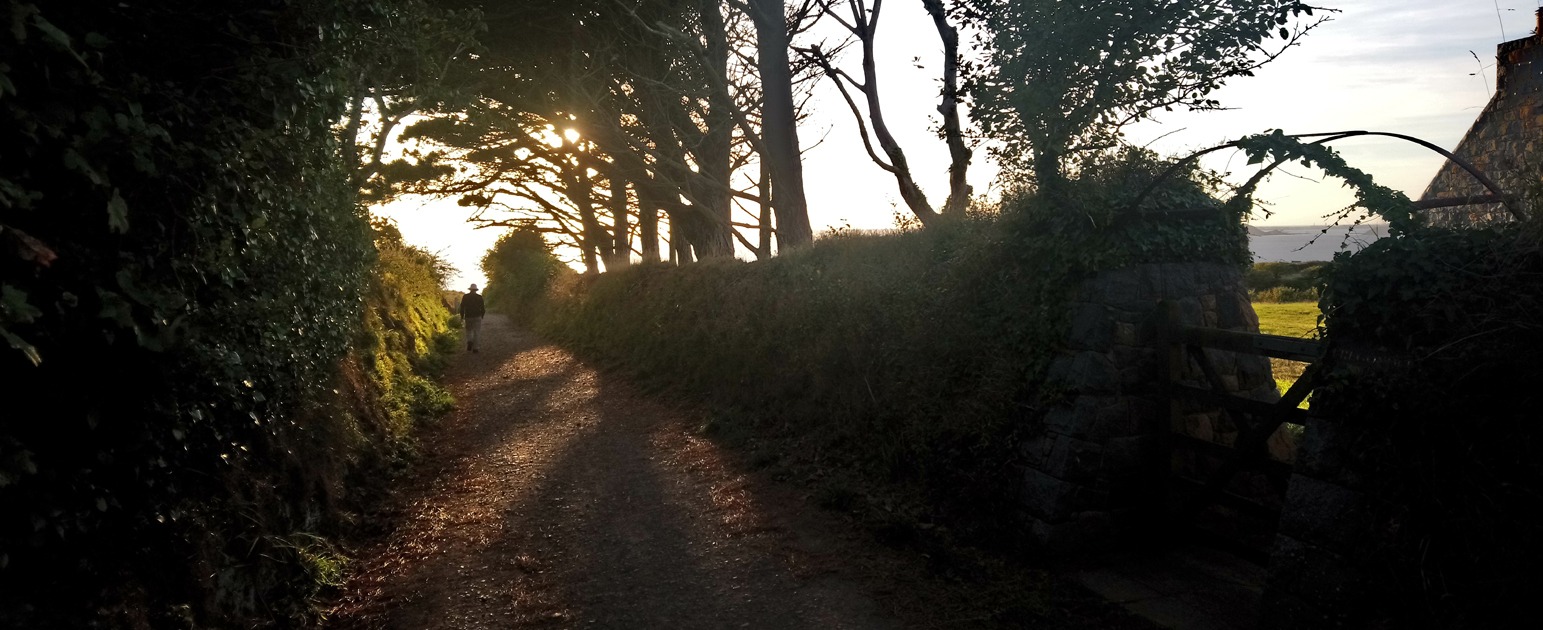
x=862, y=21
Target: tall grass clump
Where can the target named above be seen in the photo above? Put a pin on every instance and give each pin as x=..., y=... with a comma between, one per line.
x=904, y=364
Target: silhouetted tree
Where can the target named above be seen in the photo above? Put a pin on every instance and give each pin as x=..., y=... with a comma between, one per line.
x=1063, y=76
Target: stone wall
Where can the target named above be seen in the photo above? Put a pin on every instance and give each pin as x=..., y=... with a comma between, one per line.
x=1331, y=516
x=1503, y=143
x=1095, y=465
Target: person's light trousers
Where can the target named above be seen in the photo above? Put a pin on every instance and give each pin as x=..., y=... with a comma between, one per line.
x=473, y=331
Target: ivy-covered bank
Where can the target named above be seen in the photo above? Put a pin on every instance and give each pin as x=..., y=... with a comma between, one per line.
x=892, y=370
x=207, y=348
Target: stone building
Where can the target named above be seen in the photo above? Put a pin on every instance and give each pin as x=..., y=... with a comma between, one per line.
x=1503, y=142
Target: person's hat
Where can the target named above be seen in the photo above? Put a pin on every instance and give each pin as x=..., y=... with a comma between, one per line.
x=474, y=287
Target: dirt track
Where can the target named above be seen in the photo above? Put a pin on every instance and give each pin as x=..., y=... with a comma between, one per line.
x=555, y=496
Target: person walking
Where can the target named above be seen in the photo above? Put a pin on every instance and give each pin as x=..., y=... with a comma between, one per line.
x=472, y=310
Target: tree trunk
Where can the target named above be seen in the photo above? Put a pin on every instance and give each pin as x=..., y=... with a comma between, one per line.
x=780, y=126
x=648, y=223
x=911, y=193
x=763, y=246
x=691, y=225
x=1048, y=177
x=953, y=132
x=713, y=152
x=864, y=25
x=680, y=248
x=621, y=247
x=580, y=192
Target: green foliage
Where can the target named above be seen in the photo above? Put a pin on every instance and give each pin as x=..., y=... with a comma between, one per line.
x=1375, y=200
x=520, y=267
x=1441, y=411
x=1148, y=209
x=1063, y=76
x=406, y=329
x=182, y=261
x=904, y=364
x=1283, y=295
x=1274, y=282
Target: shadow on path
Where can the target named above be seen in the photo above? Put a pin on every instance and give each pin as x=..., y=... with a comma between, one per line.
x=554, y=497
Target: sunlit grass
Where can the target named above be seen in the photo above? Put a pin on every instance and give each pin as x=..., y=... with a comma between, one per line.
x=1288, y=319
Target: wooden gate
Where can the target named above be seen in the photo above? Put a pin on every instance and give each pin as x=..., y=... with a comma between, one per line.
x=1190, y=497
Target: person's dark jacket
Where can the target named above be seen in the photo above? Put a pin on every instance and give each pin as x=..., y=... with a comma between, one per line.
x=471, y=305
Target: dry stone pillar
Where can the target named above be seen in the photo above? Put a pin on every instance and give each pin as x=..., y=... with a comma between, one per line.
x=1095, y=466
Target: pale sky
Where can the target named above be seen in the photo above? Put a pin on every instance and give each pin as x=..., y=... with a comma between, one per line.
x=1381, y=65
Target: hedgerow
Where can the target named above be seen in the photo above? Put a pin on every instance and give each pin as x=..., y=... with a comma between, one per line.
x=199, y=322
x=894, y=370
x=1438, y=398
x=1429, y=401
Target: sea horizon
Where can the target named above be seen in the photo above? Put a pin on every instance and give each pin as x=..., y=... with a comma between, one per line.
x=1308, y=243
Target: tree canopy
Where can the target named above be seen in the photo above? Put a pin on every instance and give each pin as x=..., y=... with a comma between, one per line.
x=604, y=116
x=604, y=120
x=1065, y=76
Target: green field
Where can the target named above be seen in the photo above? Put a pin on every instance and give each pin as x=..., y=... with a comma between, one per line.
x=1288, y=319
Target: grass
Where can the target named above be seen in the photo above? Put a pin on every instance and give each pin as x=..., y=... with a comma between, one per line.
x=1287, y=319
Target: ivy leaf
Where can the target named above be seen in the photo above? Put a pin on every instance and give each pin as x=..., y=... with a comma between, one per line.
x=31, y=249
x=47, y=28
x=15, y=307
x=115, y=308
x=117, y=213
x=57, y=36
x=19, y=15
x=24, y=462
x=27, y=349
x=6, y=87
x=76, y=162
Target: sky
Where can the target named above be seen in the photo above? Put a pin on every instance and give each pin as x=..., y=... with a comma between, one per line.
x=1401, y=66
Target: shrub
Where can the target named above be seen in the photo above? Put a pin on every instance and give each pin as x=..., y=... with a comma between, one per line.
x=520, y=267
x=1285, y=282
x=1445, y=417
